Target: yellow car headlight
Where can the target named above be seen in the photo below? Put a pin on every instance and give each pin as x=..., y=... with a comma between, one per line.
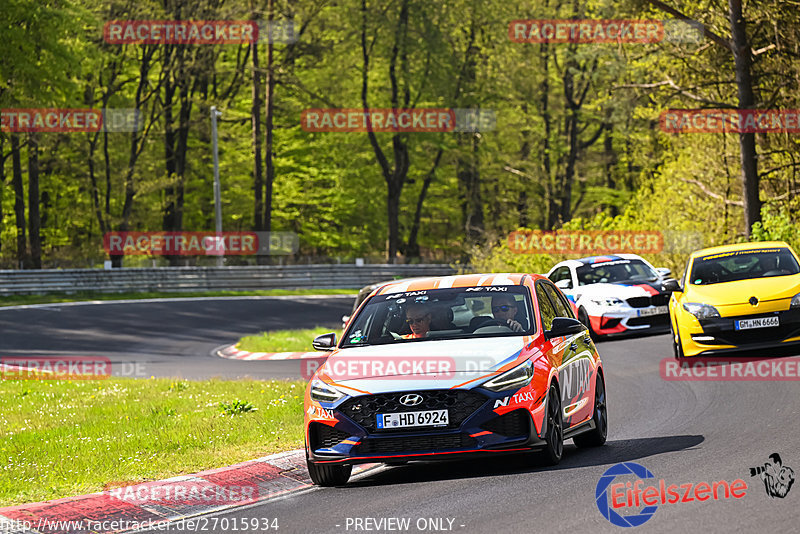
x=701, y=311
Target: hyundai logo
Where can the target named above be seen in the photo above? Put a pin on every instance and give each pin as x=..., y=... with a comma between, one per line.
x=753, y=301
x=412, y=399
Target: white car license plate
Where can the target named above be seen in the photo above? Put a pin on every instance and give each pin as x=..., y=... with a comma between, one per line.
x=761, y=322
x=413, y=419
x=657, y=310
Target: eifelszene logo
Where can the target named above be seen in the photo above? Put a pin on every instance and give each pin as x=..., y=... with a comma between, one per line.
x=614, y=498
x=777, y=478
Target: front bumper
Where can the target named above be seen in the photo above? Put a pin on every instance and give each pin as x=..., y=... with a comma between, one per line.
x=719, y=335
x=620, y=321
x=474, y=428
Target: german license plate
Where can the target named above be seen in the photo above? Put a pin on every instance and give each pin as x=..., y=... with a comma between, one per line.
x=760, y=322
x=656, y=310
x=413, y=419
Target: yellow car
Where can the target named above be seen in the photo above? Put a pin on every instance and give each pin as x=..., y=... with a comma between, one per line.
x=736, y=297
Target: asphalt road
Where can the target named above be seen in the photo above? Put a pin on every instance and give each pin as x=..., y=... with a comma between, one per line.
x=173, y=338
x=684, y=432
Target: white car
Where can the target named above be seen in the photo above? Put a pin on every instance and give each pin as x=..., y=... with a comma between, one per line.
x=615, y=294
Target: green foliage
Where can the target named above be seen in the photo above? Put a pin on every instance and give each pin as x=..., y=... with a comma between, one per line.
x=61, y=438
x=236, y=407
x=777, y=224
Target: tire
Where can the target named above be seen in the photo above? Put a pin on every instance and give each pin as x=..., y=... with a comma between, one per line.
x=584, y=318
x=554, y=435
x=677, y=346
x=597, y=436
x=329, y=475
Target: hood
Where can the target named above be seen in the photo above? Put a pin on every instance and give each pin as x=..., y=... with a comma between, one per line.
x=622, y=290
x=740, y=291
x=421, y=364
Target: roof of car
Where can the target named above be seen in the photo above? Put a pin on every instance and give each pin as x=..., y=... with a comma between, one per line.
x=462, y=280
x=589, y=260
x=739, y=246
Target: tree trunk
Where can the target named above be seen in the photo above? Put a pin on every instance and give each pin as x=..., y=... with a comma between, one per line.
x=34, y=222
x=269, y=105
x=395, y=175
x=550, y=207
x=747, y=141
x=19, y=203
x=258, y=171
x=569, y=171
x=136, y=145
x=2, y=185
x=468, y=174
x=412, y=248
x=610, y=163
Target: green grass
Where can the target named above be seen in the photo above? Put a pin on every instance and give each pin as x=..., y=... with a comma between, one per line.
x=16, y=300
x=284, y=340
x=64, y=438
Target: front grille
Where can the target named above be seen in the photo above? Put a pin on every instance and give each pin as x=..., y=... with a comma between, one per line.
x=459, y=403
x=662, y=299
x=724, y=334
x=324, y=436
x=756, y=335
x=638, y=302
x=416, y=444
x=652, y=320
x=512, y=424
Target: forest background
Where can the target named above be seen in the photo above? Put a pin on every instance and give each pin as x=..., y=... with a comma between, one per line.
x=576, y=145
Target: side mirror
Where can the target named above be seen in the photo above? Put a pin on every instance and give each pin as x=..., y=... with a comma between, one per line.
x=672, y=285
x=564, y=326
x=566, y=283
x=325, y=342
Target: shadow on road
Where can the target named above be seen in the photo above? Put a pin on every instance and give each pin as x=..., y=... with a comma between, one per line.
x=611, y=453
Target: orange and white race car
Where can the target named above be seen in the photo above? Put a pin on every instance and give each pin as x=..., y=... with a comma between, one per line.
x=453, y=366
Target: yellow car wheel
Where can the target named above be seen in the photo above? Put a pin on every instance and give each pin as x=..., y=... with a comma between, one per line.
x=677, y=346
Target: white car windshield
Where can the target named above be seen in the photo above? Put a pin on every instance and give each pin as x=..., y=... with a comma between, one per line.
x=442, y=314
x=609, y=272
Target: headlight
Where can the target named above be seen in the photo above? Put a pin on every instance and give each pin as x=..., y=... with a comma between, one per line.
x=701, y=311
x=795, y=301
x=320, y=391
x=514, y=378
x=611, y=301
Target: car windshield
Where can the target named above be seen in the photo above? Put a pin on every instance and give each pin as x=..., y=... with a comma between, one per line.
x=615, y=271
x=431, y=314
x=743, y=265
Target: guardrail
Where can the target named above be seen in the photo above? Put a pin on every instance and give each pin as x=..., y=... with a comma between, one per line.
x=184, y=279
